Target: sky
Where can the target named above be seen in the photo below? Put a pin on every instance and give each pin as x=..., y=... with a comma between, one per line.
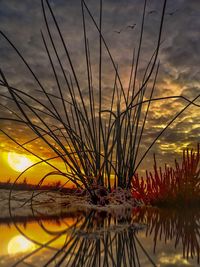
x=179, y=56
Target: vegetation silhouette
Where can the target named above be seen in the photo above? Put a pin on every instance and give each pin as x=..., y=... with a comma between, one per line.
x=174, y=186
x=26, y=186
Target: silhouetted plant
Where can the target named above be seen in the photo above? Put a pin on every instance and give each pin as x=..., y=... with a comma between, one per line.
x=178, y=185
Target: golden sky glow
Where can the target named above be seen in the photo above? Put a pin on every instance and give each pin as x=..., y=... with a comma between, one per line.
x=13, y=163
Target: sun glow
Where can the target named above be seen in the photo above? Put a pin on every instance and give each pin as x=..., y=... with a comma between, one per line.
x=19, y=244
x=18, y=162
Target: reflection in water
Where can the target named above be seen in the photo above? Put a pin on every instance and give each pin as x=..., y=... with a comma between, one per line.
x=180, y=226
x=98, y=239
x=19, y=244
x=95, y=239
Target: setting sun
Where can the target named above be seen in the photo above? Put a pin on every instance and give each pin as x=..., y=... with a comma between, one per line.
x=18, y=162
x=19, y=244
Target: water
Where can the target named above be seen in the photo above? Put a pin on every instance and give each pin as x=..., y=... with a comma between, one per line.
x=145, y=237
x=50, y=232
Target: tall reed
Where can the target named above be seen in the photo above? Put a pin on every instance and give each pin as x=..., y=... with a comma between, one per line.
x=98, y=146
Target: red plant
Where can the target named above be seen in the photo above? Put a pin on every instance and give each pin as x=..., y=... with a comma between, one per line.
x=180, y=184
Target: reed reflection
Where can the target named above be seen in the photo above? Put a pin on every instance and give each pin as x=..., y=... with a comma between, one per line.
x=93, y=239
x=182, y=227
x=96, y=238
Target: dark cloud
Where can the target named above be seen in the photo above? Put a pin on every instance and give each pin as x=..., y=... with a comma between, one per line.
x=179, y=56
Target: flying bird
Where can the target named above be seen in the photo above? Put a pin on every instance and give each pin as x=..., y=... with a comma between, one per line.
x=119, y=31
x=172, y=13
x=152, y=12
x=131, y=26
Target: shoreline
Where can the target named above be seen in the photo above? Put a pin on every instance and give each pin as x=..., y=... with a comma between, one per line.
x=54, y=204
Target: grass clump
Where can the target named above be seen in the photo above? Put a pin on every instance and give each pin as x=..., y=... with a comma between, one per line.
x=173, y=186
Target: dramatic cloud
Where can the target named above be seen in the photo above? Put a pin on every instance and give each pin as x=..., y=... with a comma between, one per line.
x=179, y=56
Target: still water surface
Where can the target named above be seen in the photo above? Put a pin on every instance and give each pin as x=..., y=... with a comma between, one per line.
x=146, y=237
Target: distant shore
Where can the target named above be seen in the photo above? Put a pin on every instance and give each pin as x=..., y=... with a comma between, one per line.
x=31, y=187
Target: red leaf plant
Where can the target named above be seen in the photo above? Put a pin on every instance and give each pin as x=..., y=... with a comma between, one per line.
x=178, y=185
